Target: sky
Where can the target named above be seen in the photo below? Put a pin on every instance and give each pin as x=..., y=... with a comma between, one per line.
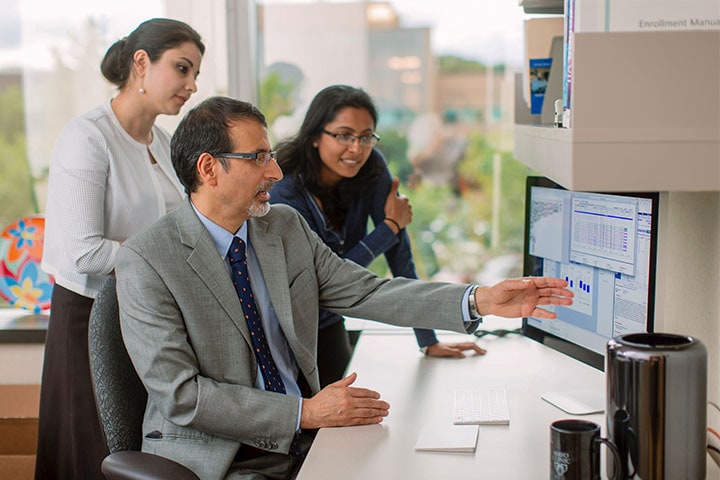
x=488, y=30
x=51, y=20
x=485, y=30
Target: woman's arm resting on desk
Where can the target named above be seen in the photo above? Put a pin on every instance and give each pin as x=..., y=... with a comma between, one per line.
x=453, y=349
x=522, y=297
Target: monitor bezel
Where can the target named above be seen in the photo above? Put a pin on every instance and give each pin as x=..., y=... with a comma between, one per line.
x=563, y=345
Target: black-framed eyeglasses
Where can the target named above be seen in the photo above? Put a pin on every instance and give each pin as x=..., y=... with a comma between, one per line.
x=347, y=139
x=260, y=158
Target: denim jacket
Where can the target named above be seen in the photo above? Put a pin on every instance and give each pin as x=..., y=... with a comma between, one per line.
x=353, y=242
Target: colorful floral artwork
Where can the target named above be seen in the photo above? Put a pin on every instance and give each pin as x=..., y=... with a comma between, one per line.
x=22, y=282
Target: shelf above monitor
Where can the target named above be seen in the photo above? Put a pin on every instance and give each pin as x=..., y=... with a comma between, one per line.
x=615, y=160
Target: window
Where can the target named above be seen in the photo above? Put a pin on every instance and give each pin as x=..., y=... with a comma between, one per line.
x=445, y=118
x=445, y=108
x=50, y=55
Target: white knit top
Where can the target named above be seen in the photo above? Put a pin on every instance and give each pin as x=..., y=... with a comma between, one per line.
x=102, y=189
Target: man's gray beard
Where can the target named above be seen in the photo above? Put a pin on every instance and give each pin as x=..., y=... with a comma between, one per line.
x=259, y=209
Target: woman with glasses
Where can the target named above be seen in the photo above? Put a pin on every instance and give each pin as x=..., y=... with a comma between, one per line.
x=110, y=176
x=337, y=180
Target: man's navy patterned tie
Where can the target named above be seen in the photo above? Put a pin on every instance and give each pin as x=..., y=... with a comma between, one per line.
x=268, y=367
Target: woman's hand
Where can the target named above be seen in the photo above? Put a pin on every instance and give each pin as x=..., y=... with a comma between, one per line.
x=398, y=211
x=454, y=349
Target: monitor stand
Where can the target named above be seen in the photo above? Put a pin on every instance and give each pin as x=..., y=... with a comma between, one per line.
x=577, y=402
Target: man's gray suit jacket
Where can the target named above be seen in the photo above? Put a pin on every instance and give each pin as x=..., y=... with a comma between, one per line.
x=185, y=331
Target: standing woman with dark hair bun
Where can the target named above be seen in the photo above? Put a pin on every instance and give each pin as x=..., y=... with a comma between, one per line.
x=110, y=176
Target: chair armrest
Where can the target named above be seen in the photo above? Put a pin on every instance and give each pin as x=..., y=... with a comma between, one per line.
x=133, y=465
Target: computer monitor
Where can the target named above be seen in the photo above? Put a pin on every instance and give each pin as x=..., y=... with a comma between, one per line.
x=604, y=245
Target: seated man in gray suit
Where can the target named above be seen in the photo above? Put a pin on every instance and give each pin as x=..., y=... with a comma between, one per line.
x=219, y=305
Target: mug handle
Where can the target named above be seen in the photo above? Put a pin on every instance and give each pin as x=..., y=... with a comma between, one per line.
x=615, y=453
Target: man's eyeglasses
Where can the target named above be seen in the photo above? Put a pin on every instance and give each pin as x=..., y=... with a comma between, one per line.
x=347, y=139
x=260, y=158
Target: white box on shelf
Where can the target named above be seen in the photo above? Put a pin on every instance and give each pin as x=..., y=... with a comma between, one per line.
x=645, y=15
x=589, y=16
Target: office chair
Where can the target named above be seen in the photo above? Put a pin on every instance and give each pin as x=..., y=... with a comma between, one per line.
x=121, y=397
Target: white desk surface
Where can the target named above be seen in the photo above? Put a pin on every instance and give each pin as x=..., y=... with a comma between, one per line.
x=420, y=392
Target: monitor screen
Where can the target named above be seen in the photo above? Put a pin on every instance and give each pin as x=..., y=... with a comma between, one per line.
x=603, y=245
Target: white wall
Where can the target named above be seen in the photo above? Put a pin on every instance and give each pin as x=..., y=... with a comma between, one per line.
x=21, y=363
x=688, y=288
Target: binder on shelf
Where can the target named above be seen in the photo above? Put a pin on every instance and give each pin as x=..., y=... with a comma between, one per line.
x=539, y=77
x=522, y=114
x=539, y=34
x=554, y=88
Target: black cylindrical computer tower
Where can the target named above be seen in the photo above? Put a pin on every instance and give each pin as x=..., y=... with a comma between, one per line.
x=656, y=405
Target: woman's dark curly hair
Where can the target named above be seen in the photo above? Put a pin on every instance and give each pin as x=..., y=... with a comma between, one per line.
x=300, y=160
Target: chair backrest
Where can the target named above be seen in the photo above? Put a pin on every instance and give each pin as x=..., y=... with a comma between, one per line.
x=119, y=394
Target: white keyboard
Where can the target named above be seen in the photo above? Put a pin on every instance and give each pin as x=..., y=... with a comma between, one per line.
x=481, y=407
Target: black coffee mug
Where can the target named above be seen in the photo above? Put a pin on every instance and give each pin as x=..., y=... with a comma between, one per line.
x=575, y=450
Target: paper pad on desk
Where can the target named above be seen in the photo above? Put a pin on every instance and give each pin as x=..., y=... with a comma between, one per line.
x=577, y=402
x=448, y=438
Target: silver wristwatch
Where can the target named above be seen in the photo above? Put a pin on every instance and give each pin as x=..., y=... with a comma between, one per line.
x=471, y=303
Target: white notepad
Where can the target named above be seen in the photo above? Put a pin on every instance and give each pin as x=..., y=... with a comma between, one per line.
x=577, y=402
x=448, y=438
